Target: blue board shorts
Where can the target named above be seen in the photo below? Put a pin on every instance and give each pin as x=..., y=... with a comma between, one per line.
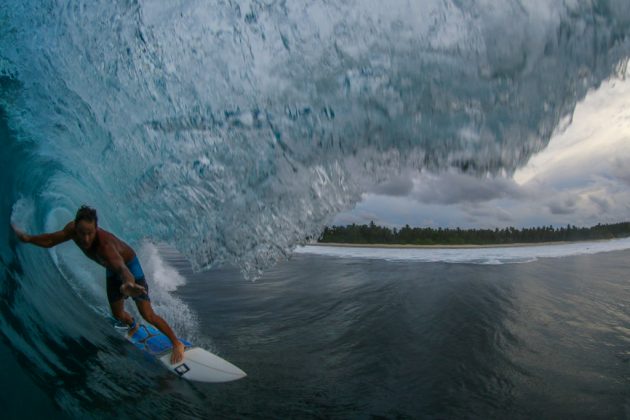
x=114, y=282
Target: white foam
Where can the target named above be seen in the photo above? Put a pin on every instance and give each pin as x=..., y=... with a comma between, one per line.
x=163, y=279
x=498, y=255
x=164, y=276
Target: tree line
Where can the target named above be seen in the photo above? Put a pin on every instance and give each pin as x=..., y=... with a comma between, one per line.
x=373, y=234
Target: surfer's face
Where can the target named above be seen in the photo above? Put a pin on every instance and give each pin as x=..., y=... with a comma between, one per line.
x=86, y=232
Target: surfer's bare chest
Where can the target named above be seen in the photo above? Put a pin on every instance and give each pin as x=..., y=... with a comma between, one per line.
x=94, y=255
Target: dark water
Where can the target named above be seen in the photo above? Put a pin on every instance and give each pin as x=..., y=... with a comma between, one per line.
x=324, y=337
x=342, y=338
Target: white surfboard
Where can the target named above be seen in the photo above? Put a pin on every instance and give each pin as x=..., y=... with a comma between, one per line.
x=198, y=365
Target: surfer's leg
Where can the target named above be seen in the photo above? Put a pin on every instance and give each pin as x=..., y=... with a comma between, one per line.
x=118, y=311
x=146, y=310
x=117, y=304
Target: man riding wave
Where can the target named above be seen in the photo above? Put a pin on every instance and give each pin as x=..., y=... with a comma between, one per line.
x=123, y=271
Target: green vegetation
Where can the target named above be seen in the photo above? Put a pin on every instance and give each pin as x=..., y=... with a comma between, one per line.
x=372, y=234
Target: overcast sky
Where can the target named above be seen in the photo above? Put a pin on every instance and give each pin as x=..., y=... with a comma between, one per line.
x=582, y=178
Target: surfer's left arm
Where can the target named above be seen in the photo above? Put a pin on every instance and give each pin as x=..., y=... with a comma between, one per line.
x=116, y=263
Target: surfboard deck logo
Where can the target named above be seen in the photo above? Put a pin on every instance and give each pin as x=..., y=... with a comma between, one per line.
x=198, y=365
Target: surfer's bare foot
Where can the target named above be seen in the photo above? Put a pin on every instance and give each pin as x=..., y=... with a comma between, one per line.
x=178, y=352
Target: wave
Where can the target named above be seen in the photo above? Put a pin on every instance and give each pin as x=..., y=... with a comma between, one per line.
x=233, y=130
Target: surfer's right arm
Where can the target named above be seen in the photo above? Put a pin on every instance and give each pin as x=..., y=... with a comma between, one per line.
x=45, y=240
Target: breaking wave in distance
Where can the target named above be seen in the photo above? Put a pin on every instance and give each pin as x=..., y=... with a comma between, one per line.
x=470, y=255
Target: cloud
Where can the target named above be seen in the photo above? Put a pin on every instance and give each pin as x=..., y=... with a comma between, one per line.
x=602, y=202
x=482, y=212
x=396, y=187
x=621, y=169
x=561, y=207
x=455, y=188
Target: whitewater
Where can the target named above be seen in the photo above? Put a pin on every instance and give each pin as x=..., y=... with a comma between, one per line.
x=233, y=131
x=468, y=255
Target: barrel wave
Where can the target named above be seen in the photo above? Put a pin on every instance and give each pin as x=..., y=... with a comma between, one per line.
x=234, y=130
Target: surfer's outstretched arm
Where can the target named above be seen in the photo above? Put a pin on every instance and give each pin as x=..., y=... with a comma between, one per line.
x=45, y=240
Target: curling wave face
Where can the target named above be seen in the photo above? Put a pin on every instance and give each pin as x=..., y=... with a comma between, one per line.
x=235, y=129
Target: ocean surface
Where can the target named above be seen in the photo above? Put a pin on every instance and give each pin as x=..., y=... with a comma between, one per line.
x=325, y=336
x=233, y=131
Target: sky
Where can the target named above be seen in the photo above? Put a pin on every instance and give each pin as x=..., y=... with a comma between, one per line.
x=581, y=178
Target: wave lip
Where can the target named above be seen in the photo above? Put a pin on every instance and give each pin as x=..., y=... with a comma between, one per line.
x=470, y=255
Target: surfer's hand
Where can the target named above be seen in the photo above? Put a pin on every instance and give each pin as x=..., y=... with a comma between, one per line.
x=132, y=289
x=22, y=236
x=178, y=352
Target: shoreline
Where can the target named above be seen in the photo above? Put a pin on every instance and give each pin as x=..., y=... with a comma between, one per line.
x=462, y=246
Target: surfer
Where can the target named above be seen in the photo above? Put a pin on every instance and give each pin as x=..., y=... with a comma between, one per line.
x=124, y=273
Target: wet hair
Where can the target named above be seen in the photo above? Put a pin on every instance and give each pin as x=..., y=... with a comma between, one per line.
x=86, y=213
